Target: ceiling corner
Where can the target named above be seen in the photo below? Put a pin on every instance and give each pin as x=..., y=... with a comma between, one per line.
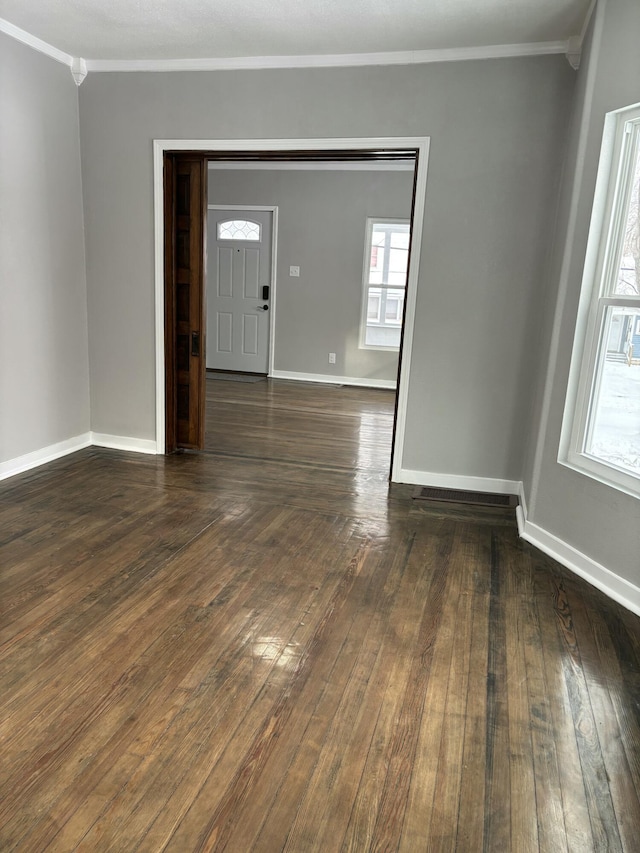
x=78, y=69
x=574, y=51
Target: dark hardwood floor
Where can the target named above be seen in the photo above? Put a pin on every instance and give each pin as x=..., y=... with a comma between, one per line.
x=264, y=647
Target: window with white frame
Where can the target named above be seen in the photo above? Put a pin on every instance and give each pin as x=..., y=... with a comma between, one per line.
x=605, y=430
x=386, y=261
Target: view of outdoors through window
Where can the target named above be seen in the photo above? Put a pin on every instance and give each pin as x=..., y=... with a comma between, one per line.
x=386, y=283
x=614, y=433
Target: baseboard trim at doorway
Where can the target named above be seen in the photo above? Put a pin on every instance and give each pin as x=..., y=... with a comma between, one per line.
x=329, y=379
x=232, y=376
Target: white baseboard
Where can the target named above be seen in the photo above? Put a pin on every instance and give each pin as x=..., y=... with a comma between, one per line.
x=521, y=510
x=617, y=588
x=457, y=481
x=332, y=379
x=123, y=442
x=63, y=448
x=45, y=454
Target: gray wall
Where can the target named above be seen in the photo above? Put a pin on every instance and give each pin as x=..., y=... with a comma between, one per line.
x=322, y=216
x=44, y=371
x=497, y=129
x=596, y=519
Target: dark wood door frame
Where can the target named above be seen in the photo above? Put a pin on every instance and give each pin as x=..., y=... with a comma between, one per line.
x=185, y=215
x=285, y=155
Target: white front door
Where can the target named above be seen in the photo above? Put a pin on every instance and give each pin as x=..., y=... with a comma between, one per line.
x=238, y=289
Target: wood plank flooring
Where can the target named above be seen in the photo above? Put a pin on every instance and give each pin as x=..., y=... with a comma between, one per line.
x=263, y=647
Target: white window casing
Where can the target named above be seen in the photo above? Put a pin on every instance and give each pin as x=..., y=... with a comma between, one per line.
x=384, y=279
x=601, y=428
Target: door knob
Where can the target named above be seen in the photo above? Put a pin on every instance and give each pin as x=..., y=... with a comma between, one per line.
x=263, y=307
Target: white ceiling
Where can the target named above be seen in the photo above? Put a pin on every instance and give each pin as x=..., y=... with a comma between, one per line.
x=216, y=29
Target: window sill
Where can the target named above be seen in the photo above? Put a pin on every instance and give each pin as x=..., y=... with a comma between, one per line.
x=601, y=473
x=378, y=347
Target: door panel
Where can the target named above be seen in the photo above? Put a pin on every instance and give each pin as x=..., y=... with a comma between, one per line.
x=238, y=270
x=252, y=274
x=225, y=267
x=185, y=195
x=249, y=334
x=225, y=324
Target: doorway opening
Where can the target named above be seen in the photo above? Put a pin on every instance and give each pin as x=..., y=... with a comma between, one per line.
x=259, y=152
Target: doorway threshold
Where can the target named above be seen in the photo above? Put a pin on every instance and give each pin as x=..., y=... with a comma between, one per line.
x=236, y=377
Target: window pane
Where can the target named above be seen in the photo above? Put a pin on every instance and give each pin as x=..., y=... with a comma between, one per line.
x=628, y=278
x=378, y=236
x=238, y=229
x=384, y=317
x=373, y=305
x=376, y=268
x=385, y=283
x=389, y=254
x=615, y=422
x=400, y=237
x=398, y=267
x=391, y=309
x=382, y=336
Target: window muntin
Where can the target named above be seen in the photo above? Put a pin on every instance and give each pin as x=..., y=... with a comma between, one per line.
x=385, y=279
x=605, y=438
x=239, y=229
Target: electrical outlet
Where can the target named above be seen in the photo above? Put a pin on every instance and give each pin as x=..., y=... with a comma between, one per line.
x=294, y=272
x=332, y=358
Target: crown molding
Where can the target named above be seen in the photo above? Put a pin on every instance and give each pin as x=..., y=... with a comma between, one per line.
x=77, y=65
x=80, y=67
x=36, y=43
x=342, y=60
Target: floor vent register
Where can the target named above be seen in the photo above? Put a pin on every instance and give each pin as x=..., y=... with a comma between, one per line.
x=460, y=496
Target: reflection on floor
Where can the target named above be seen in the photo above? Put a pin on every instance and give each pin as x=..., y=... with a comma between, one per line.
x=314, y=424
